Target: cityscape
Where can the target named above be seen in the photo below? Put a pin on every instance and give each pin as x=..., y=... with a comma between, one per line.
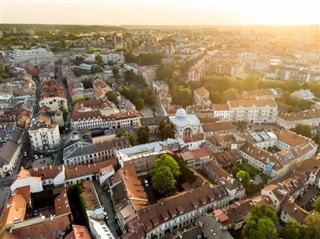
x=159, y=119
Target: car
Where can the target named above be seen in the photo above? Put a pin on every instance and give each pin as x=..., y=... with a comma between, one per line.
x=25, y=153
x=146, y=183
x=36, y=156
x=35, y=213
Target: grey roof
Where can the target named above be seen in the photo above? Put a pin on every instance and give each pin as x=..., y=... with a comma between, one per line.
x=16, y=134
x=7, y=151
x=78, y=148
x=154, y=120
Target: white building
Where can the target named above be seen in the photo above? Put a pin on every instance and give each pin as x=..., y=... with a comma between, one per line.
x=116, y=58
x=185, y=125
x=9, y=155
x=24, y=178
x=50, y=176
x=252, y=111
x=43, y=134
x=309, y=117
x=52, y=95
x=34, y=56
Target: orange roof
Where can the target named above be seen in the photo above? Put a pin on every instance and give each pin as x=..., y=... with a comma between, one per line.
x=61, y=203
x=24, y=173
x=220, y=107
x=79, y=232
x=15, y=209
x=201, y=92
x=252, y=103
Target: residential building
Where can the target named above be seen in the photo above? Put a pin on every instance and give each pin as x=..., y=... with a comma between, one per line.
x=100, y=88
x=291, y=211
x=51, y=176
x=234, y=215
x=227, y=158
x=52, y=95
x=160, y=86
x=24, y=178
x=185, y=125
x=54, y=226
x=127, y=194
x=218, y=128
x=195, y=158
x=93, y=114
x=221, y=112
x=309, y=117
x=91, y=171
x=172, y=213
x=261, y=94
x=311, y=168
x=9, y=157
x=34, y=56
x=85, y=152
x=201, y=96
x=44, y=135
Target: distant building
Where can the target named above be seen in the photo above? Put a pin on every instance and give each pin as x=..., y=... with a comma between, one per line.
x=34, y=56
x=309, y=117
x=201, y=96
x=302, y=95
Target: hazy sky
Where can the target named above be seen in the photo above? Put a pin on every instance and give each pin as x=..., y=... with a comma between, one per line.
x=161, y=12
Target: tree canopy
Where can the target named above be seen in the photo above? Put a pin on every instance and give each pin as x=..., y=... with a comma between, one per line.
x=303, y=129
x=112, y=97
x=243, y=176
x=143, y=134
x=261, y=223
x=169, y=161
x=312, y=226
x=292, y=230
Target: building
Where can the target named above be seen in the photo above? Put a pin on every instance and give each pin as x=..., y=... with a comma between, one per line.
x=195, y=158
x=221, y=112
x=34, y=56
x=160, y=86
x=92, y=171
x=201, y=96
x=85, y=152
x=311, y=168
x=291, y=211
x=94, y=114
x=53, y=226
x=51, y=176
x=127, y=194
x=185, y=125
x=261, y=94
x=309, y=117
x=9, y=157
x=218, y=128
x=52, y=95
x=100, y=88
x=302, y=95
x=24, y=178
x=154, y=122
x=44, y=135
x=79, y=232
x=176, y=212
x=143, y=156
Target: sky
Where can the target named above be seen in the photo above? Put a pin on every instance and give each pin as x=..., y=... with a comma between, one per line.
x=161, y=12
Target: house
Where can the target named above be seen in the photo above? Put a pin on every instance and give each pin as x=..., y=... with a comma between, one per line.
x=24, y=178
x=127, y=194
x=15, y=209
x=195, y=158
x=51, y=176
x=227, y=158
x=309, y=117
x=218, y=128
x=52, y=95
x=234, y=215
x=100, y=88
x=9, y=155
x=53, y=226
x=291, y=211
x=311, y=168
x=201, y=96
x=221, y=111
x=172, y=213
x=84, y=172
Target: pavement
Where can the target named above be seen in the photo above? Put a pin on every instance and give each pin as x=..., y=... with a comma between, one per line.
x=146, y=112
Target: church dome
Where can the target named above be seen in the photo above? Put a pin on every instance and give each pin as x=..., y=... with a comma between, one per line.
x=181, y=113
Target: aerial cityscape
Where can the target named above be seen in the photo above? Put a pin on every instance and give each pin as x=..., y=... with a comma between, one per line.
x=156, y=119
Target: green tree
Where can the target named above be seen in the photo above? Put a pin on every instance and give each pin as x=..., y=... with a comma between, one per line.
x=96, y=69
x=115, y=71
x=261, y=223
x=162, y=179
x=316, y=204
x=132, y=137
x=243, y=176
x=168, y=161
x=112, y=97
x=311, y=227
x=292, y=230
x=99, y=60
x=166, y=130
x=143, y=134
x=138, y=102
x=230, y=94
x=110, y=63
x=303, y=129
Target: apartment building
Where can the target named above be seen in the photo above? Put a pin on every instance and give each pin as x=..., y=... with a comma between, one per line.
x=44, y=135
x=52, y=95
x=252, y=111
x=94, y=114
x=309, y=117
x=201, y=96
x=34, y=56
